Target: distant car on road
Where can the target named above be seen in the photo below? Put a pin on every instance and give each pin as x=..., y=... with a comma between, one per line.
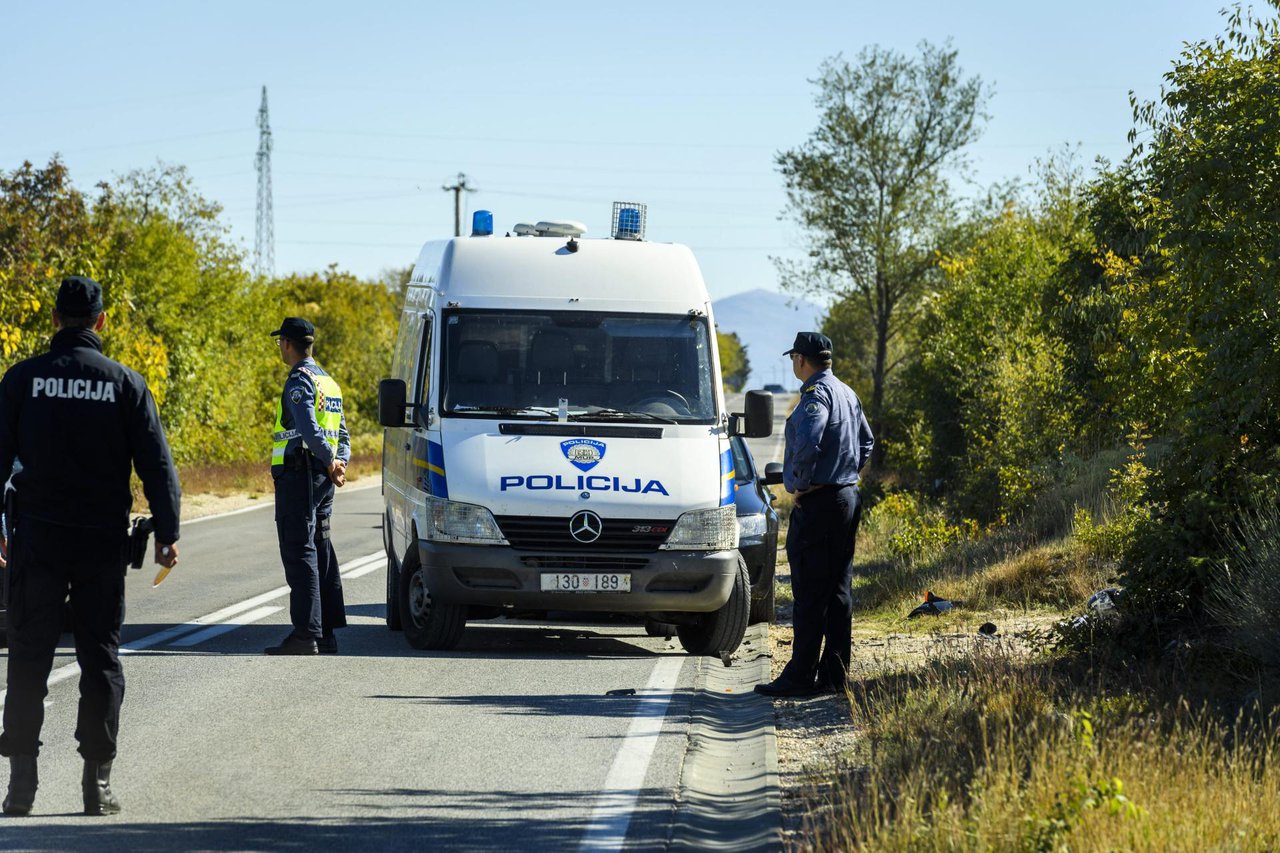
x=757, y=526
x=775, y=388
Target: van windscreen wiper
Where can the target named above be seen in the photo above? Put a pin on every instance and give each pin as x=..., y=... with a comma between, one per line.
x=605, y=414
x=503, y=411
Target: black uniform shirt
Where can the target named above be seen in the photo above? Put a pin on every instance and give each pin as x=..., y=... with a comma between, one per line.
x=79, y=421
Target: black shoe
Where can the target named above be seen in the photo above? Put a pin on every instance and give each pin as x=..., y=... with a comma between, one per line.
x=96, y=784
x=327, y=645
x=831, y=687
x=23, y=782
x=294, y=645
x=778, y=687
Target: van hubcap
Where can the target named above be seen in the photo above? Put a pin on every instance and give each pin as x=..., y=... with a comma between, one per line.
x=419, y=600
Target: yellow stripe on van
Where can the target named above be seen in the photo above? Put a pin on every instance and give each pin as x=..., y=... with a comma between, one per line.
x=434, y=469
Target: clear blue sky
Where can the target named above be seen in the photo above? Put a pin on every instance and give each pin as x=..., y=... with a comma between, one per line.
x=553, y=110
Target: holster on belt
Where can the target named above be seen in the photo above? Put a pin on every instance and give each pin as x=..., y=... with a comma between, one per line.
x=136, y=544
x=298, y=460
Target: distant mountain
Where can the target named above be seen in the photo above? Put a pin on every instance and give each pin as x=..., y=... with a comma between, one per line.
x=766, y=322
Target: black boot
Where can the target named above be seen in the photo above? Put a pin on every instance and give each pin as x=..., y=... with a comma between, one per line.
x=22, y=785
x=98, y=799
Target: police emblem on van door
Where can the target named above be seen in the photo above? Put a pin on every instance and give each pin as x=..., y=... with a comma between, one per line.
x=583, y=453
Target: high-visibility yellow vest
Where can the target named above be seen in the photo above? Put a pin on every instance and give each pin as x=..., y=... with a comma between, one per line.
x=328, y=416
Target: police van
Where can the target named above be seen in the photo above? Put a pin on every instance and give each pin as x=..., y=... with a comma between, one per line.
x=556, y=437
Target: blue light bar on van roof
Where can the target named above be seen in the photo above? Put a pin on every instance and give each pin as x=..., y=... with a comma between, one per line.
x=481, y=223
x=629, y=219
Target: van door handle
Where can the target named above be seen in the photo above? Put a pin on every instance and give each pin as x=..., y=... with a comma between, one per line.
x=407, y=446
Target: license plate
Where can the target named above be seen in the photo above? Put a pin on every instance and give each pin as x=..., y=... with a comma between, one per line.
x=580, y=582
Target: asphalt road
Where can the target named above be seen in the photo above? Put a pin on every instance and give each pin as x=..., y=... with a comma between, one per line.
x=510, y=741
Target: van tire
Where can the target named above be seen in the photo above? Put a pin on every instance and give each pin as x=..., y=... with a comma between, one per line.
x=393, y=594
x=434, y=626
x=720, y=632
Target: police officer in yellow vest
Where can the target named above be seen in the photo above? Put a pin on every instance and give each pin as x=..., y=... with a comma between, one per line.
x=309, y=457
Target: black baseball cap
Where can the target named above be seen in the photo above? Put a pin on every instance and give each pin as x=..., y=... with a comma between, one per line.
x=811, y=345
x=79, y=296
x=296, y=329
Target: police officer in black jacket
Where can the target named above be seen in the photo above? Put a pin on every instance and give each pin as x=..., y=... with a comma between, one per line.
x=79, y=422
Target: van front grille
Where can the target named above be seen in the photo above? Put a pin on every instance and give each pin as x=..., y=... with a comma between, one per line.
x=619, y=534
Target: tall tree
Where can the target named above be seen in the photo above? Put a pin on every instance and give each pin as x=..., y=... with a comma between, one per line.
x=869, y=187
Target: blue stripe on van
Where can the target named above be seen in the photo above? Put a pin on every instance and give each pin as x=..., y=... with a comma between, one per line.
x=435, y=470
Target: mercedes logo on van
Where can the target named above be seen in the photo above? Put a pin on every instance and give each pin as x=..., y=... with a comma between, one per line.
x=586, y=526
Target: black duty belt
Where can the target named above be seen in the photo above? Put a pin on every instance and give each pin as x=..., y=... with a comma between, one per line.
x=819, y=488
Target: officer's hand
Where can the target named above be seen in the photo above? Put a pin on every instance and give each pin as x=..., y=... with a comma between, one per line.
x=4, y=552
x=338, y=472
x=167, y=555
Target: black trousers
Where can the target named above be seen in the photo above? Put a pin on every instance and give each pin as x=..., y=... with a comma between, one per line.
x=304, y=507
x=820, y=540
x=46, y=562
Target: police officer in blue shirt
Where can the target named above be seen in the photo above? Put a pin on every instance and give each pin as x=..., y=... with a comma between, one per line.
x=309, y=454
x=81, y=424
x=828, y=441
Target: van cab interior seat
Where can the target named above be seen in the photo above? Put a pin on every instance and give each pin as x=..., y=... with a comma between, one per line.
x=549, y=368
x=477, y=377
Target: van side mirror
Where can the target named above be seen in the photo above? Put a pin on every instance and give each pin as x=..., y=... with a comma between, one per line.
x=759, y=415
x=392, y=397
x=773, y=474
x=757, y=420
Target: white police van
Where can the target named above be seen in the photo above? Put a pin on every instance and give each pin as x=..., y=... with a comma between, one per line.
x=556, y=437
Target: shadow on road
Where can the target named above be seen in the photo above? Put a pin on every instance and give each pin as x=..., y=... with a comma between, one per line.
x=498, y=638
x=440, y=820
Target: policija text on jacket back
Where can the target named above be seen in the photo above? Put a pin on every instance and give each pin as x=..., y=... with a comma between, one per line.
x=78, y=422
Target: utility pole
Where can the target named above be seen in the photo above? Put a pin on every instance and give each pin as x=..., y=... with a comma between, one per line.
x=264, y=244
x=458, y=189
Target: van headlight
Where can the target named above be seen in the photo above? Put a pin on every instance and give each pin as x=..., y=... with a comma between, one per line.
x=752, y=527
x=469, y=524
x=704, y=530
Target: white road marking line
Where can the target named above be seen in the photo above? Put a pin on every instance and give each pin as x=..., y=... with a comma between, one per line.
x=616, y=801
x=230, y=625
x=168, y=635
x=373, y=566
x=267, y=502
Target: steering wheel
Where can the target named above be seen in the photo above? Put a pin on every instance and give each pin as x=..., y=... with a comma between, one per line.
x=663, y=396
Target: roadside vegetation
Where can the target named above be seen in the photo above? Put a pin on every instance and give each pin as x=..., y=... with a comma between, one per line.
x=1081, y=392
x=184, y=311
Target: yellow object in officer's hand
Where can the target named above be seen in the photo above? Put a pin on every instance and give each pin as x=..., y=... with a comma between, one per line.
x=164, y=570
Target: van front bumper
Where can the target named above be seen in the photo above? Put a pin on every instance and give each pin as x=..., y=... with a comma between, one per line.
x=671, y=581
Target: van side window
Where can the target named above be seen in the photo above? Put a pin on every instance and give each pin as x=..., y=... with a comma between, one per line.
x=402, y=365
x=424, y=363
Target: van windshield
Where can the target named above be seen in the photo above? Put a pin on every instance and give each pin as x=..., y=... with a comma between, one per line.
x=608, y=367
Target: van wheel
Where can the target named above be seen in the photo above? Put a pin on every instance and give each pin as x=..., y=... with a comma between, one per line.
x=427, y=623
x=393, y=595
x=721, y=631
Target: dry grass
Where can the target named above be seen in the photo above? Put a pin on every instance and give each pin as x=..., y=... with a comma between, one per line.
x=249, y=480
x=1003, y=748
x=965, y=743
